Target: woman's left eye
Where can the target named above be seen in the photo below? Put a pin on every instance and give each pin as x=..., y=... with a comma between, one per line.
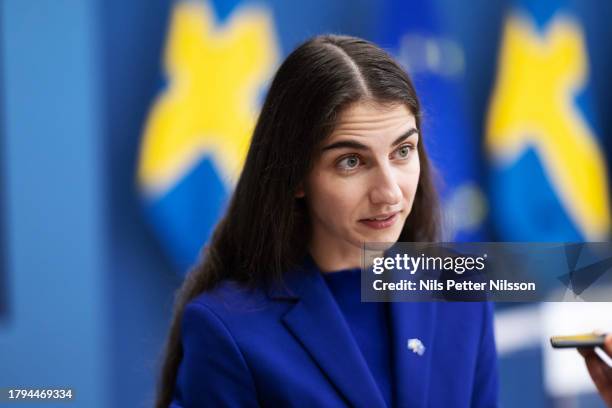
x=404, y=151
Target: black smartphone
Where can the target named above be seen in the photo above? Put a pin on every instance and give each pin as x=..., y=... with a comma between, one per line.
x=578, y=340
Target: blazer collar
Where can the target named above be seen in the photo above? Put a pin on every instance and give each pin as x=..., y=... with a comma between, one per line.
x=317, y=322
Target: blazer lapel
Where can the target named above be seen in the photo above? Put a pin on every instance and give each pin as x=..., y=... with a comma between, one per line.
x=316, y=321
x=410, y=321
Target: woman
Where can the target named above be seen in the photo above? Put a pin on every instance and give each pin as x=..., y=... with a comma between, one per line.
x=335, y=161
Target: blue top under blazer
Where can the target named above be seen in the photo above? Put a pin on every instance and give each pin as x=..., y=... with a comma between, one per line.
x=291, y=347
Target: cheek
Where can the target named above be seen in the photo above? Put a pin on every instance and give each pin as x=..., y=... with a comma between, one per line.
x=331, y=197
x=410, y=180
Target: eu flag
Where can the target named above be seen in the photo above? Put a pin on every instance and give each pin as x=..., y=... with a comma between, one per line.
x=414, y=32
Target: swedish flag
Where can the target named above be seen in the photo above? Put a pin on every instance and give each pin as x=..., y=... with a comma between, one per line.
x=198, y=128
x=548, y=173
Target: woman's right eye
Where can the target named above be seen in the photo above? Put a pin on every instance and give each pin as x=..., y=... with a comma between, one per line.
x=349, y=163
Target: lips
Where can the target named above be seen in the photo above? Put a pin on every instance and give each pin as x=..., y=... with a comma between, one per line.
x=380, y=221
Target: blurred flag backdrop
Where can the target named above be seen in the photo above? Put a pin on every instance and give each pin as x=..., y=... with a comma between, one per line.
x=198, y=128
x=548, y=176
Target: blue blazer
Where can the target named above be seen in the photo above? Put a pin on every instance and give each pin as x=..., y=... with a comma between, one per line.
x=291, y=347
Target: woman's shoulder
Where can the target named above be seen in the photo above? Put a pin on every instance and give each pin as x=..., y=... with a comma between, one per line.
x=233, y=302
x=229, y=293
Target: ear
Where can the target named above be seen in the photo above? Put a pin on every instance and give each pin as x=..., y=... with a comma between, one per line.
x=299, y=192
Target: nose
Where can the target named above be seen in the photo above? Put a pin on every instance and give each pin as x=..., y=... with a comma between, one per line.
x=385, y=187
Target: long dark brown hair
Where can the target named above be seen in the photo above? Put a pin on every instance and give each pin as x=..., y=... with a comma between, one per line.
x=265, y=229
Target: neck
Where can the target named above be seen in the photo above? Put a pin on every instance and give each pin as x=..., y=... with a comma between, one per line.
x=329, y=260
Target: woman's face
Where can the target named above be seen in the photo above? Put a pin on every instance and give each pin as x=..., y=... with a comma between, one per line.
x=364, y=180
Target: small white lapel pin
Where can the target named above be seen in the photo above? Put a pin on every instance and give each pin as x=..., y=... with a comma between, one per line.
x=416, y=346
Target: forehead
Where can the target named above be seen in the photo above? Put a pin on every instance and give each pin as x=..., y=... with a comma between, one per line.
x=370, y=118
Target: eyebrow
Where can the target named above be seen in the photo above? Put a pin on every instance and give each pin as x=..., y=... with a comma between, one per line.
x=356, y=145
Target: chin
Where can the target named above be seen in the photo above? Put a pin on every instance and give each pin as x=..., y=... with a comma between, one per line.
x=391, y=237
